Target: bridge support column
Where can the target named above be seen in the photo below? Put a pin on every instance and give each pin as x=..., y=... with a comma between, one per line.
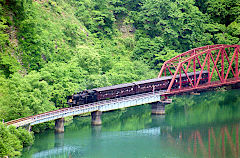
x=158, y=108
x=59, y=125
x=96, y=118
x=29, y=128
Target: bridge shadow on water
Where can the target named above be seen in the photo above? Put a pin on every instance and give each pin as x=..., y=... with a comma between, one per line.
x=195, y=126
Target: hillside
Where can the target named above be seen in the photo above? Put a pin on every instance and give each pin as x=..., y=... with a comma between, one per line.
x=53, y=48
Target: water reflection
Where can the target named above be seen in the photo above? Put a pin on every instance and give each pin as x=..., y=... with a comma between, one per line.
x=96, y=131
x=214, y=141
x=59, y=139
x=206, y=127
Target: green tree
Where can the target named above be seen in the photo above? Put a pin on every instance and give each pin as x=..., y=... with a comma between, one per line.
x=29, y=95
x=146, y=49
x=125, y=71
x=3, y=26
x=63, y=79
x=13, y=140
x=223, y=11
x=26, y=138
x=8, y=64
x=176, y=25
x=10, y=145
x=96, y=16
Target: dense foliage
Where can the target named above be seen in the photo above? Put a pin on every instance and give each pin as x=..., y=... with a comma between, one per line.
x=13, y=140
x=51, y=49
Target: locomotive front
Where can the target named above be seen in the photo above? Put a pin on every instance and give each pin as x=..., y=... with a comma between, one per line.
x=83, y=97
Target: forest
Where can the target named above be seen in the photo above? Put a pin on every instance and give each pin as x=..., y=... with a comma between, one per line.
x=53, y=48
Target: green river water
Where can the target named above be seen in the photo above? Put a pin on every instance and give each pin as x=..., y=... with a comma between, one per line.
x=194, y=126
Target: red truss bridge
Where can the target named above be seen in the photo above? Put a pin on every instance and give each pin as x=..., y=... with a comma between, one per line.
x=221, y=62
x=197, y=69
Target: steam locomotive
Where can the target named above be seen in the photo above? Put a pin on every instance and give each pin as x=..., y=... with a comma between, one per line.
x=126, y=89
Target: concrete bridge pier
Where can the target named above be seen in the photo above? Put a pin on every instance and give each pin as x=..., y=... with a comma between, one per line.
x=158, y=108
x=59, y=125
x=96, y=118
x=29, y=128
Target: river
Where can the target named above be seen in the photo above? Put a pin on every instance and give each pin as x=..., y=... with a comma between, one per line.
x=194, y=126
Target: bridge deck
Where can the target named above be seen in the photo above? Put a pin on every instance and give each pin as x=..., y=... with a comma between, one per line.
x=205, y=86
x=105, y=105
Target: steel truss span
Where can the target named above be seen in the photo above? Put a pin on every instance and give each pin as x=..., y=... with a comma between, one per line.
x=220, y=61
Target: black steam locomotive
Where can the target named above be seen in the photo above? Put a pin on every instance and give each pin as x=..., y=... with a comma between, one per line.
x=126, y=89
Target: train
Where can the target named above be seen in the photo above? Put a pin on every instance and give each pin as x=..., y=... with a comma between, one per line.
x=126, y=89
